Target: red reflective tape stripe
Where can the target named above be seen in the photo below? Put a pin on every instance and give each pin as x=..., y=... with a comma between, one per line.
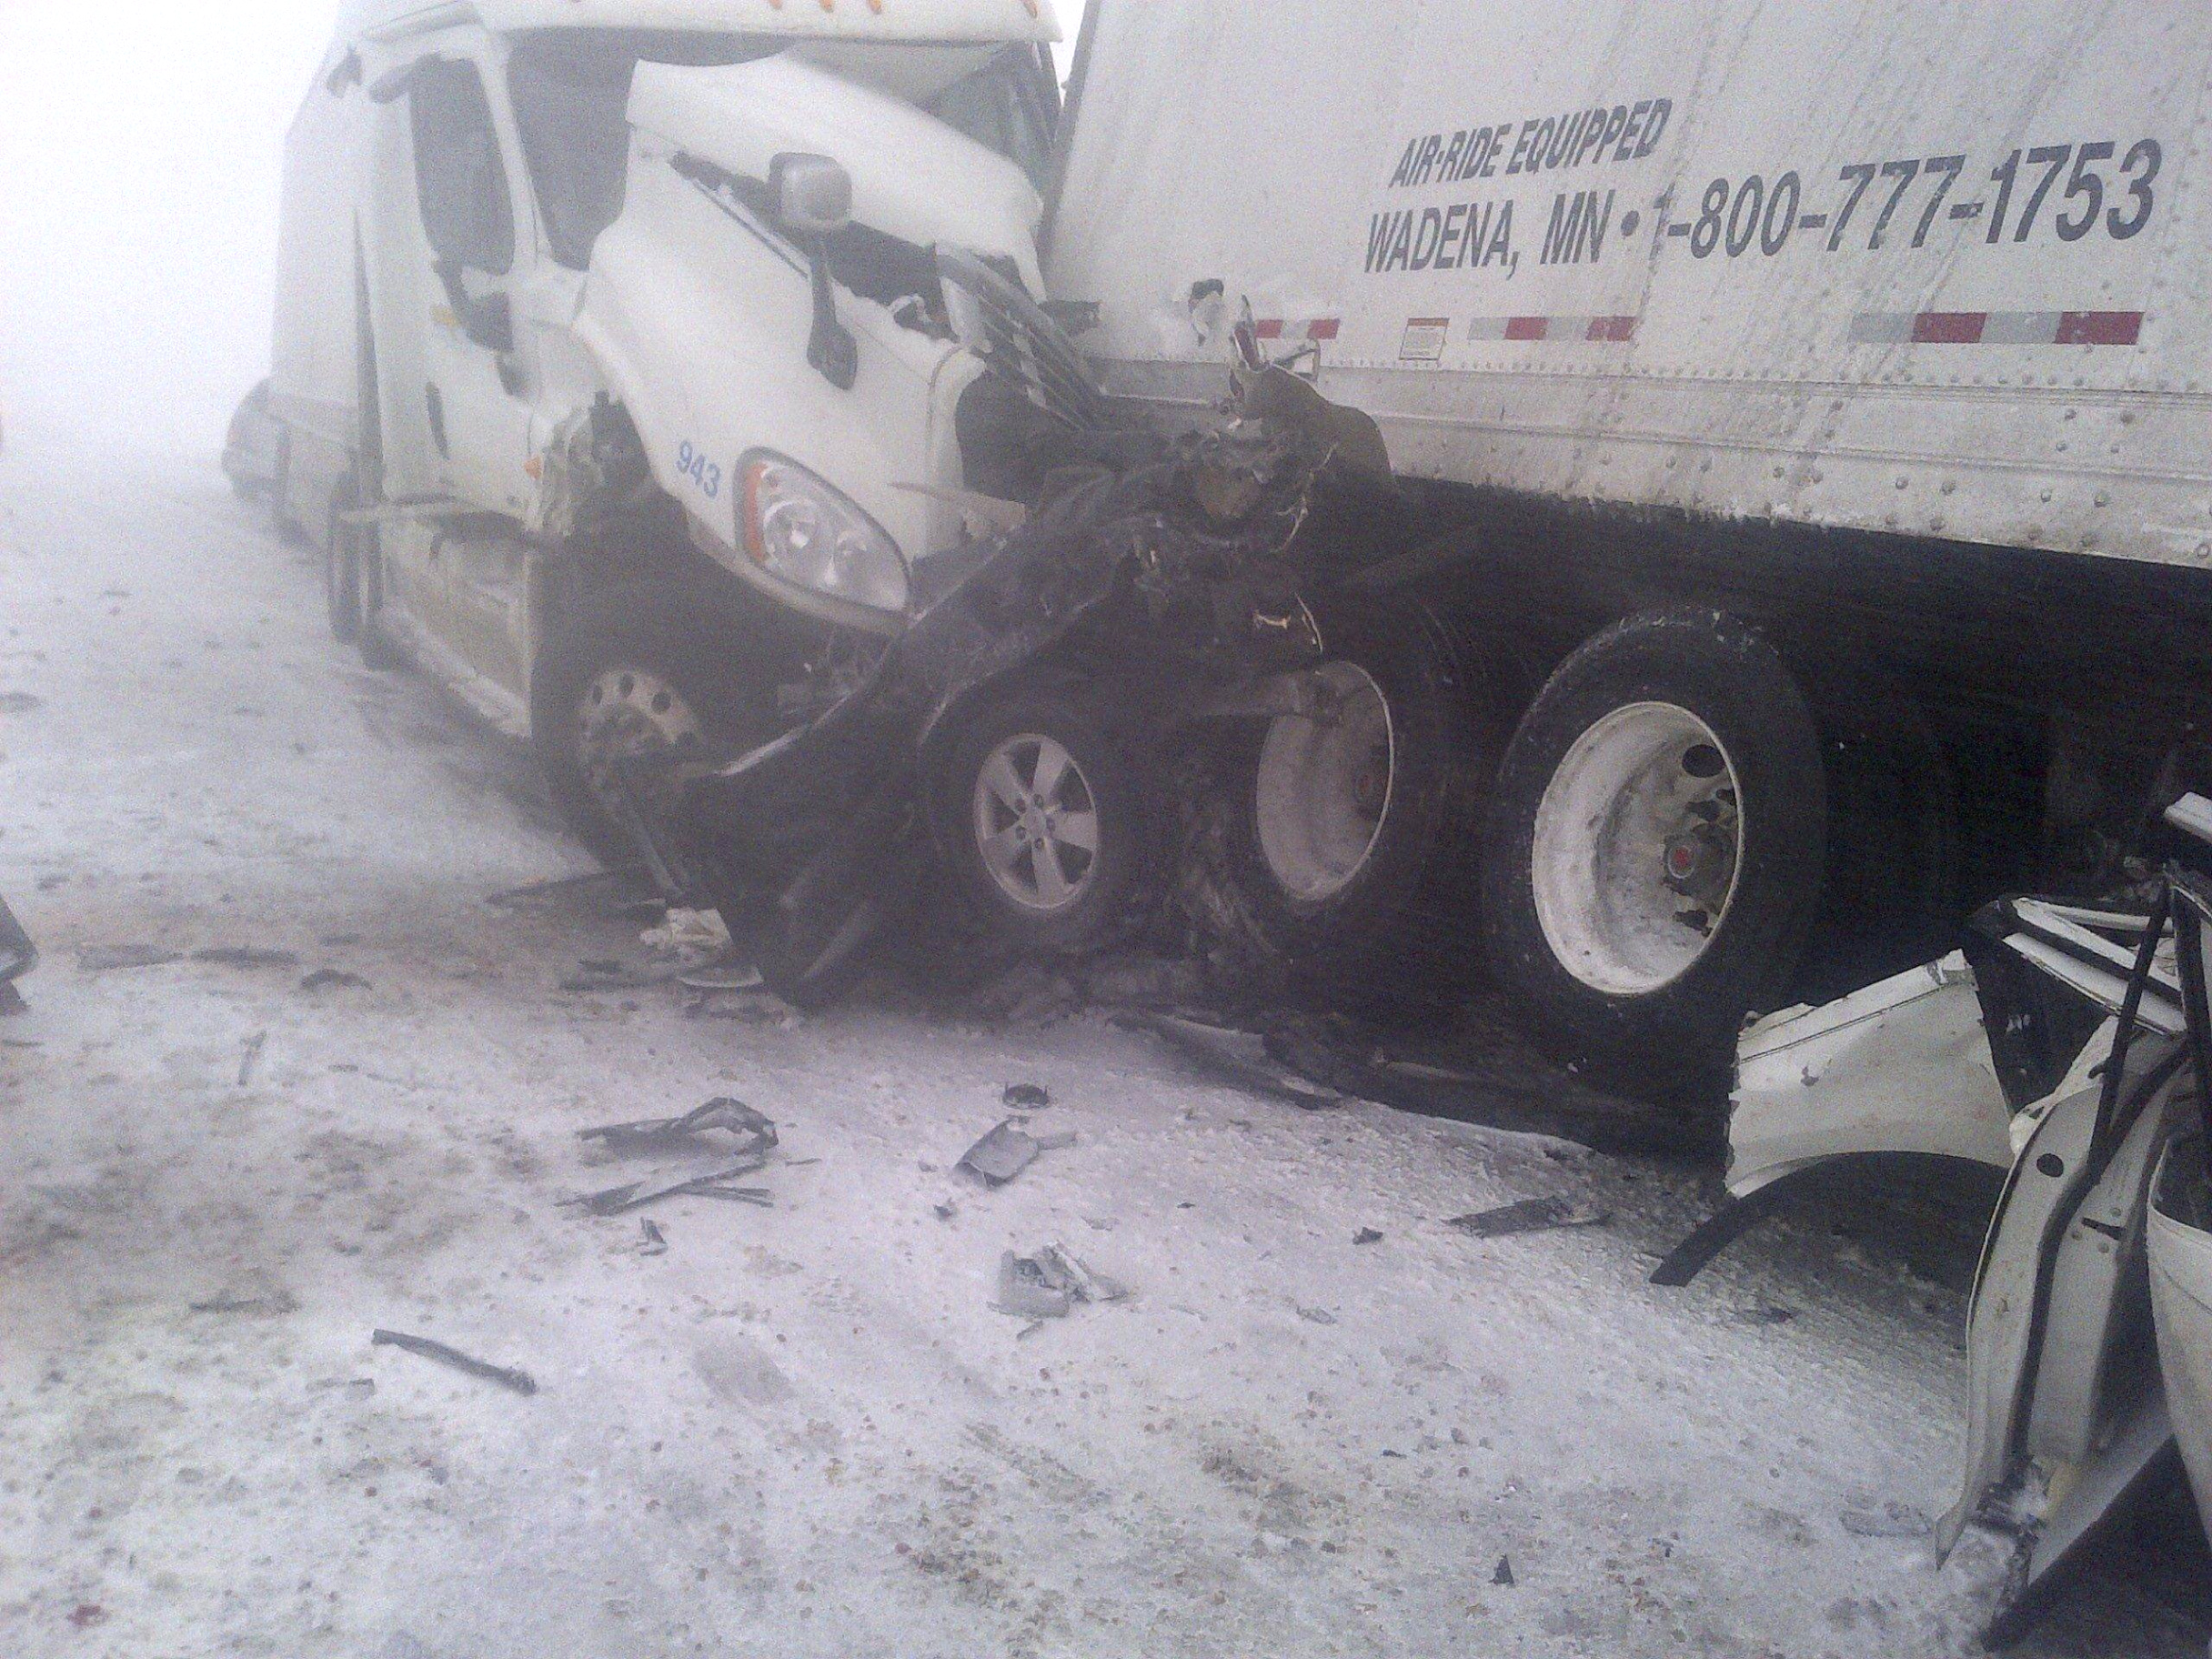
x=2099, y=327
x=1268, y=329
x=1526, y=327
x=1612, y=328
x=1948, y=327
x=1322, y=328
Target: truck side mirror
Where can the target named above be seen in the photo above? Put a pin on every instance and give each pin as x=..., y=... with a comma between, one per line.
x=813, y=198
x=813, y=194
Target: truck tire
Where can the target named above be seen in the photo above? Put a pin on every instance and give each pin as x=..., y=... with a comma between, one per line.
x=1047, y=821
x=1657, y=846
x=1352, y=848
x=659, y=665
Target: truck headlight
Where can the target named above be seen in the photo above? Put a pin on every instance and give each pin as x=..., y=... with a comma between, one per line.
x=795, y=526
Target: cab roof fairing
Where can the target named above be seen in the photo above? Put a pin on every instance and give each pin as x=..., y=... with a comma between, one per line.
x=911, y=22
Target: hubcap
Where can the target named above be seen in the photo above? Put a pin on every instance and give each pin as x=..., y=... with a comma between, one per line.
x=1637, y=848
x=1324, y=787
x=1036, y=823
x=623, y=714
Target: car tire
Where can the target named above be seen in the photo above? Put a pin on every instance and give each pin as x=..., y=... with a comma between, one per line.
x=1355, y=873
x=1018, y=792
x=632, y=668
x=1656, y=847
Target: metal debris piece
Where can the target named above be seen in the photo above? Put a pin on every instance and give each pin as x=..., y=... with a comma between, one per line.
x=282, y=1301
x=620, y=979
x=1242, y=1060
x=1530, y=1215
x=758, y=1196
x=1504, y=1574
x=246, y=956
x=1049, y=1283
x=1001, y=1155
x=1067, y=1271
x=333, y=979
x=104, y=960
x=515, y=898
x=1026, y=1097
x=520, y=1381
x=651, y=1240
x=1891, y=1520
x=1367, y=1235
x=945, y=1212
x=1025, y=1292
x=755, y=1132
x=1320, y=1316
x=713, y=1184
x=250, y=1056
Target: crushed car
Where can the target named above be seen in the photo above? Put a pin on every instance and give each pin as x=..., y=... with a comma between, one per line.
x=1000, y=768
x=2075, y=1053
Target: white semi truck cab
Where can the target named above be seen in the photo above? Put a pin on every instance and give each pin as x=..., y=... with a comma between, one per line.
x=625, y=348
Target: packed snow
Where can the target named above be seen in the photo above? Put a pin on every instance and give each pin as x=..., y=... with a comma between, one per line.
x=803, y=1429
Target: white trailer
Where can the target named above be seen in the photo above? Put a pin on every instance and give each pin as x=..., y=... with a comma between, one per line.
x=1806, y=406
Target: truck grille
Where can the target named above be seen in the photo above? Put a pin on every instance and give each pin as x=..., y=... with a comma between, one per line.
x=998, y=320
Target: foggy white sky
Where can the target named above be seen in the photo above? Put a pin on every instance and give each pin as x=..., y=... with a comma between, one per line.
x=139, y=150
x=138, y=170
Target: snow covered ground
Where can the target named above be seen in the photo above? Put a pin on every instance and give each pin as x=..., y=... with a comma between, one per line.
x=802, y=1430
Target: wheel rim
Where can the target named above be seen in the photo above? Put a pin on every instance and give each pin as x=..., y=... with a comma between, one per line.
x=1036, y=823
x=1325, y=785
x=625, y=713
x=1637, y=848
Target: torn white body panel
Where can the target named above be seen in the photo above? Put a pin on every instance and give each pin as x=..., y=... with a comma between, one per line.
x=2181, y=1301
x=1901, y=1066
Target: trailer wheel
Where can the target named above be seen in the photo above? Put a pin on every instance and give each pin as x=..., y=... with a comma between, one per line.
x=1658, y=844
x=1047, y=821
x=631, y=671
x=1352, y=856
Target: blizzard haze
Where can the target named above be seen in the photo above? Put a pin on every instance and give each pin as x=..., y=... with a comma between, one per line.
x=140, y=153
x=140, y=148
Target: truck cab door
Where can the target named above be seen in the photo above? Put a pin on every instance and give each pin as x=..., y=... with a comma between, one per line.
x=458, y=424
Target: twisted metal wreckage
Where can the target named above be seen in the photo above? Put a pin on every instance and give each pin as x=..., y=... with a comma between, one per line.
x=2070, y=1047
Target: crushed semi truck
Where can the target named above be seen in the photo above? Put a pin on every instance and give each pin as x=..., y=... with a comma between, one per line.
x=1804, y=409
x=633, y=357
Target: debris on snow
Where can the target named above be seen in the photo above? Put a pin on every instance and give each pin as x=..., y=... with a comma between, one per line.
x=1025, y=1292
x=1049, y=1283
x=1890, y=1520
x=755, y=1138
x=1504, y=1574
x=333, y=979
x=1240, y=1059
x=1007, y=1150
x=616, y=884
x=246, y=956
x=755, y=1132
x=1367, y=1235
x=521, y=1381
x=1530, y=1215
x=651, y=1240
x=696, y=938
x=281, y=1302
x=721, y=976
x=108, y=959
x=1320, y=1316
x=250, y=1056
x=1026, y=1097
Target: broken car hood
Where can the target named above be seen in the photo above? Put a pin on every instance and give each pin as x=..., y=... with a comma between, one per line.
x=913, y=177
